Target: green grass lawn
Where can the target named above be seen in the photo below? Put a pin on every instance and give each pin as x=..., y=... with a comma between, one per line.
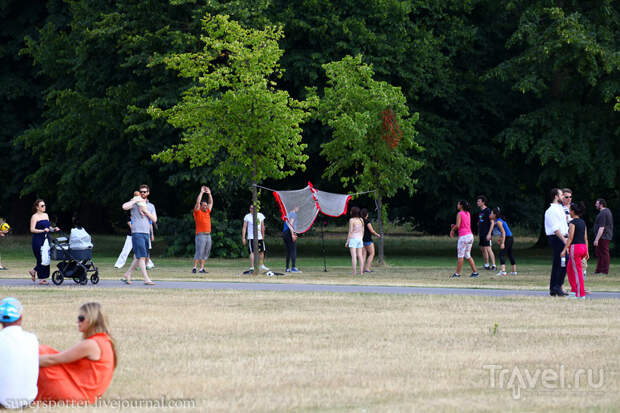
x=412, y=261
x=315, y=351
x=265, y=351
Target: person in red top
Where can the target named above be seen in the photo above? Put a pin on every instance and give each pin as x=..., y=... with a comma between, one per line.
x=83, y=372
x=202, y=217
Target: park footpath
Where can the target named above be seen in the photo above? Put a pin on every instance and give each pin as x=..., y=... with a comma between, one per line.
x=299, y=287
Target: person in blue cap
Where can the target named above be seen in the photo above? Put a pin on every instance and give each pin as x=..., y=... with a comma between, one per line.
x=19, y=357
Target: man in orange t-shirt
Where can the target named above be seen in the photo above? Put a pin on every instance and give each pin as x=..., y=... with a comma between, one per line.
x=202, y=216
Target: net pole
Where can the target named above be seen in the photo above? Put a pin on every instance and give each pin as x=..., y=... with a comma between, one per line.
x=323, y=242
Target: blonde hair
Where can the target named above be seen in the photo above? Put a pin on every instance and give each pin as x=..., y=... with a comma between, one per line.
x=97, y=323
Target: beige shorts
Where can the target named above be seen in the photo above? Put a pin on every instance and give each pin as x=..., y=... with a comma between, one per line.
x=463, y=246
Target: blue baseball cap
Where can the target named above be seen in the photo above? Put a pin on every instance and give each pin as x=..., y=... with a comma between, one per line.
x=10, y=310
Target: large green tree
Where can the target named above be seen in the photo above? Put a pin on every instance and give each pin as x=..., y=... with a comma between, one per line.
x=564, y=61
x=19, y=99
x=234, y=115
x=373, y=146
x=436, y=51
x=93, y=144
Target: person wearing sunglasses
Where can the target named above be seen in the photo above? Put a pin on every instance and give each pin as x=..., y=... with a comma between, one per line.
x=143, y=216
x=83, y=372
x=40, y=227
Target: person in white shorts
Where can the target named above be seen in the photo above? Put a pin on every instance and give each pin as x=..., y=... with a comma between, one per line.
x=355, y=239
x=248, y=230
x=466, y=239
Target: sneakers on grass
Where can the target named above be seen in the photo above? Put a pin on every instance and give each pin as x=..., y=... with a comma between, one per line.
x=294, y=269
x=262, y=267
x=455, y=275
x=501, y=273
x=474, y=275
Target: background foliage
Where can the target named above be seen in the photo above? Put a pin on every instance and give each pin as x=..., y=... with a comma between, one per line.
x=513, y=97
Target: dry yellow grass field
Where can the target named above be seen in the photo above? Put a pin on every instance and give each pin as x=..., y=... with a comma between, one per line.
x=274, y=352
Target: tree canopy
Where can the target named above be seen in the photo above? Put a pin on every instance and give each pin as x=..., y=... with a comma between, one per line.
x=373, y=146
x=513, y=97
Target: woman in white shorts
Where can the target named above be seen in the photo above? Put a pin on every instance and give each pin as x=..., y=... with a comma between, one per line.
x=466, y=239
x=354, y=239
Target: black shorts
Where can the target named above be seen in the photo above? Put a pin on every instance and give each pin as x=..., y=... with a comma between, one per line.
x=261, y=245
x=483, y=241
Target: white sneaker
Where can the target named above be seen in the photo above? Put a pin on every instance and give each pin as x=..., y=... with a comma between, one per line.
x=573, y=296
x=513, y=273
x=501, y=273
x=262, y=267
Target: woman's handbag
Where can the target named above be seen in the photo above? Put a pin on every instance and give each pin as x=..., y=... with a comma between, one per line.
x=45, y=253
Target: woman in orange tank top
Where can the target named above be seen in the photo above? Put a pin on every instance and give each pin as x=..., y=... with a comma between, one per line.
x=84, y=371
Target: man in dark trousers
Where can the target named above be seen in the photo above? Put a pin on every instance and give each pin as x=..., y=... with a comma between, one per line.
x=556, y=229
x=603, y=233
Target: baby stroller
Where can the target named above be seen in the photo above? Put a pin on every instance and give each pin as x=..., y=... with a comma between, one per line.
x=76, y=258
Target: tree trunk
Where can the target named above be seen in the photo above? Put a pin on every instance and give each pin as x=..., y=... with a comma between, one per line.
x=542, y=241
x=254, y=220
x=381, y=257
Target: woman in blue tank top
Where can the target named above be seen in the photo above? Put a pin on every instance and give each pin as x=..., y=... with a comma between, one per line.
x=506, y=241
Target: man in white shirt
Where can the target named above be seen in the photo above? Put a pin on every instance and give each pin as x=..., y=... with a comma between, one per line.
x=19, y=357
x=248, y=229
x=556, y=229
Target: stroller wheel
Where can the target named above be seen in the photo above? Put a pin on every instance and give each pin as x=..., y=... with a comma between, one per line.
x=57, y=277
x=80, y=275
x=94, y=279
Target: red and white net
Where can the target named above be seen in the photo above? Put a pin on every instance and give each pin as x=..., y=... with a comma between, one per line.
x=307, y=203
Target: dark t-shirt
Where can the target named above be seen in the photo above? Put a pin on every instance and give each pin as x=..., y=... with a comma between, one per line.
x=580, y=231
x=484, y=221
x=127, y=222
x=367, y=237
x=604, y=219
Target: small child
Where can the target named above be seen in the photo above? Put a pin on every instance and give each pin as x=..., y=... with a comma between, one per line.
x=3, y=233
x=506, y=241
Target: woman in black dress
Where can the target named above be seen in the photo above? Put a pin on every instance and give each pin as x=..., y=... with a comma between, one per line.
x=40, y=226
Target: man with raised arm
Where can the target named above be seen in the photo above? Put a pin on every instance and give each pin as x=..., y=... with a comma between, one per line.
x=202, y=218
